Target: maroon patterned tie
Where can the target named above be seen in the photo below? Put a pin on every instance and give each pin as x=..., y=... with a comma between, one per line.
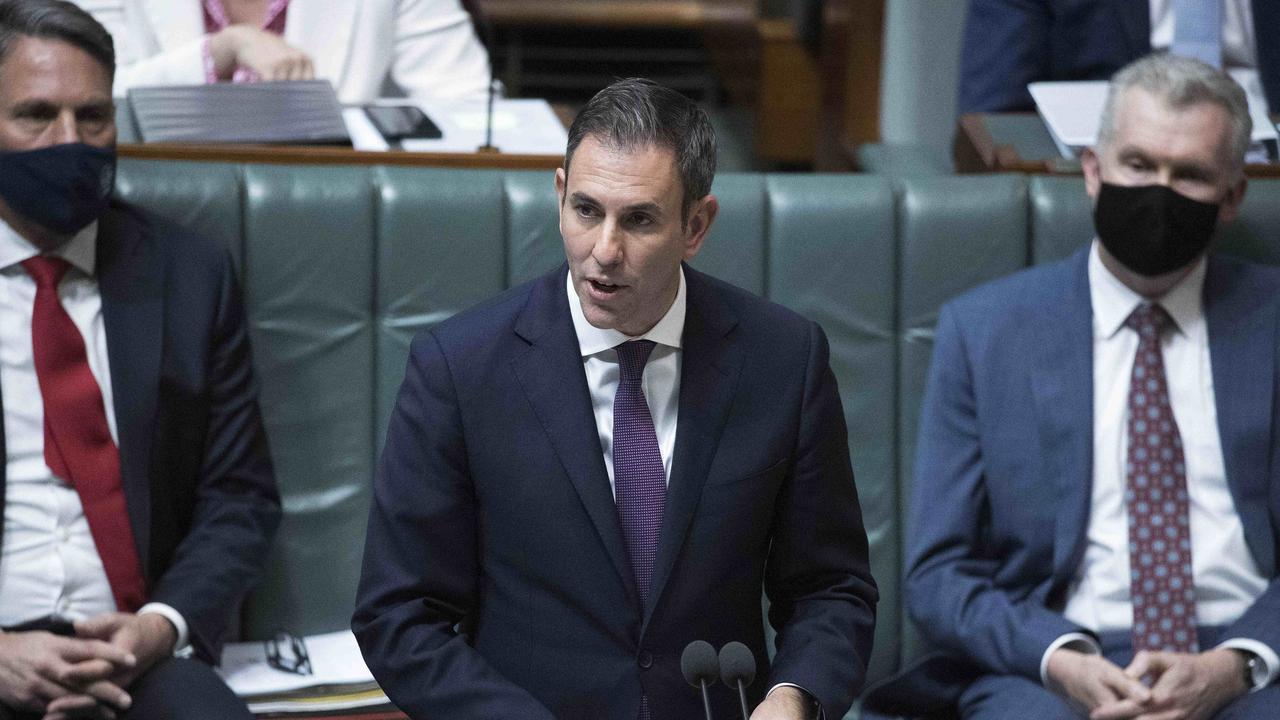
x=1164, y=602
x=640, y=481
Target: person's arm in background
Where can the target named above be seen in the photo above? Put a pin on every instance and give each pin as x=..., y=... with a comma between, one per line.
x=1006, y=46
x=201, y=59
x=437, y=53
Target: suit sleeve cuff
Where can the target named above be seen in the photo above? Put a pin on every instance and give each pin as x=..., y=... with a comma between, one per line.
x=181, y=645
x=1265, y=672
x=816, y=707
x=1079, y=642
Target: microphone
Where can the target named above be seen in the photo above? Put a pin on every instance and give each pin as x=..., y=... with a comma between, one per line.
x=698, y=664
x=738, y=669
x=485, y=29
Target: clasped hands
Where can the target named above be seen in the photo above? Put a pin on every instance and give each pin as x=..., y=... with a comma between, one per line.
x=82, y=676
x=1183, y=686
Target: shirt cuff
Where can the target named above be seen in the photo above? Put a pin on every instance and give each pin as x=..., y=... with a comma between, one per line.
x=1265, y=672
x=1079, y=642
x=820, y=715
x=179, y=624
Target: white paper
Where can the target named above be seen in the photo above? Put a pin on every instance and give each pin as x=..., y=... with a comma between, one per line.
x=520, y=127
x=1072, y=111
x=335, y=660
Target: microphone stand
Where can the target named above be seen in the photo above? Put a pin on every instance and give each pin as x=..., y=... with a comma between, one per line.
x=742, y=697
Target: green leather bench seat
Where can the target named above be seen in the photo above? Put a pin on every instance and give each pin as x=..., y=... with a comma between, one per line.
x=342, y=265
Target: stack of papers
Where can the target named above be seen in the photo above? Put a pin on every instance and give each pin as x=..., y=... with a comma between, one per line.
x=1072, y=111
x=339, y=678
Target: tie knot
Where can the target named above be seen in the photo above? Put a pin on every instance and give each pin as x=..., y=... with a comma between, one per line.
x=1149, y=319
x=632, y=356
x=45, y=270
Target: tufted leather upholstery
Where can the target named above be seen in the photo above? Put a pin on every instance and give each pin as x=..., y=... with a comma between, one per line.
x=342, y=265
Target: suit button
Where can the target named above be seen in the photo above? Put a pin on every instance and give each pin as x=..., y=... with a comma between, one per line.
x=645, y=659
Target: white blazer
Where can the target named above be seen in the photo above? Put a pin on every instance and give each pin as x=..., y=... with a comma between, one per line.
x=366, y=48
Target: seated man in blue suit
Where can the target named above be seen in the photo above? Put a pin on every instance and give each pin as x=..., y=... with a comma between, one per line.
x=1009, y=43
x=591, y=470
x=138, y=498
x=1095, y=526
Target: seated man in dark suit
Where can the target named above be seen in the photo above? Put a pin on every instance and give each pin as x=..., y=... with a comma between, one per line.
x=1009, y=43
x=1095, y=528
x=588, y=472
x=138, y=498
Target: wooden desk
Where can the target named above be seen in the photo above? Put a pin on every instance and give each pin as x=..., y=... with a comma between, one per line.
x=1019, y=142
x=677, y=14
x=130, y=147
x=312, y=155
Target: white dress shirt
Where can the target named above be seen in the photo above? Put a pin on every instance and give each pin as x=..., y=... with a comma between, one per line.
x=49, y=565
x=1227, y=579
x=660, y=381
x=1238, y=46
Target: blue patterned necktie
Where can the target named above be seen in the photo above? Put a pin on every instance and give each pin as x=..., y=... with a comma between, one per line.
x=1197, y=30
x=1160, y=575
x=640, y=482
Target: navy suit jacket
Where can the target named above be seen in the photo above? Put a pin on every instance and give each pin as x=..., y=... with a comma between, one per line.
x=1004, y=464
x=1009, y=43
x=496, y=581
x=197, y=479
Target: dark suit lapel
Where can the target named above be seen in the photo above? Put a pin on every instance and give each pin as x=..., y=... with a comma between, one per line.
x=1266, y=17
x=1242, y=346
x=710, y=364
x=553, y=380
x=131, y=282
x=1062, y=385
x=1134, y=19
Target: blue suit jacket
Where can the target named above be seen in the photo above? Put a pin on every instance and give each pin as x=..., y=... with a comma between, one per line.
x=1004, y=463
x=197, y=478
x=1009, y=43
x=496, y=582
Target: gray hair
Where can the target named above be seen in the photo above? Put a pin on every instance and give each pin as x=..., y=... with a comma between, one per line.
x=55, y=20
x=1182, y=82
x=635, y=113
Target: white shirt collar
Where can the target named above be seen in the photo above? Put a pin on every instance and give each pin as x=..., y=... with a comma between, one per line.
x=80, y=250
x=591, y=339
x=1113, y=301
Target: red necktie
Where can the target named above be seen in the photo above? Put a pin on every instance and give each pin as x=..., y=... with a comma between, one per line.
x=77, y=442
x=1164, y=599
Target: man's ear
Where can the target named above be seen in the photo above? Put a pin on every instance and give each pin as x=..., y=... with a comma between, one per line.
x=1230, y=206
x=701, y=217
x=561, y=184
x=1092, y=166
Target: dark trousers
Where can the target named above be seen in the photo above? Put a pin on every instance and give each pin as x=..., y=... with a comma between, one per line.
x=174, y=688
x=1013, y=697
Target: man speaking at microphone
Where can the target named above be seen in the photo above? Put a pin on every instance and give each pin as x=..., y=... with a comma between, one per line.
x=588, y=472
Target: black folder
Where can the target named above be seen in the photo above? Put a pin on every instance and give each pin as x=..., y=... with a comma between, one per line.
x=294, y=113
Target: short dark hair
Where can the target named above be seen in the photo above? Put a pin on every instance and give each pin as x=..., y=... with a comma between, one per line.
x=636, y=112
x=55, y=20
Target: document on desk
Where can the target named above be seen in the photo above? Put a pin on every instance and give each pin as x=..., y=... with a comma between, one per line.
x=1072, y=111
x=524, y=126
x=335, y=658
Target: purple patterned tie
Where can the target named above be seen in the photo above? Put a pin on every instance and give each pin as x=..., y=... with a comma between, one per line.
x=1164, y=601
x=640, y=482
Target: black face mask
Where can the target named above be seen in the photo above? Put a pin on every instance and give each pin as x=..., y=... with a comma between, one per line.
x=62, y=188
x=1151, y=229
